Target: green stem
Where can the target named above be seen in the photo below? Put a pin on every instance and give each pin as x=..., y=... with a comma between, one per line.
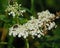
x=33, y=11
x=3, y=43
x=53, y=45
x=32, y=6
x=4, y=34
x=41, y=4
x=27, y=43
x=16, y=20
x=10, y=41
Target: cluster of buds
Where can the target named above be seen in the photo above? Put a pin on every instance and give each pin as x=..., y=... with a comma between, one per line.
x=15, y=10
x=36, y=27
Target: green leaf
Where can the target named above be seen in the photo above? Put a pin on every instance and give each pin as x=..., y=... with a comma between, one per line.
x=2, y=17
x=23, y=20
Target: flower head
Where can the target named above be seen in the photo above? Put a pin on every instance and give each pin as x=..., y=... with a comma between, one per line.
x=15, y=10
x=34, y=27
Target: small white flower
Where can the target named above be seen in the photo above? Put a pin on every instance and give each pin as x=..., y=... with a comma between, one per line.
x=38, y=36
x=19, y=35
x=52, y=24
x=22, y=11
x=47, y=24
x=32, y=17
x=25, y=37
x=12, y=13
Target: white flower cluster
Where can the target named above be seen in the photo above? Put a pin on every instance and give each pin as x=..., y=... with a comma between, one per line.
x=15, y=10
x=45, y=16
x=34, y=27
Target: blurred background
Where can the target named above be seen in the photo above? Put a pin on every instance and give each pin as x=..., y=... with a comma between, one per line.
x=50, y=41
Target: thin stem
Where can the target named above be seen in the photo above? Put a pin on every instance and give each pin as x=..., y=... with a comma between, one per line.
x=33, y=11
x=53, y=45
x=27, y=43
x=4, y=34
x=10, y=41
x=32, y=6
x=3, y=43
x=41, y=4
x=16, y=20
